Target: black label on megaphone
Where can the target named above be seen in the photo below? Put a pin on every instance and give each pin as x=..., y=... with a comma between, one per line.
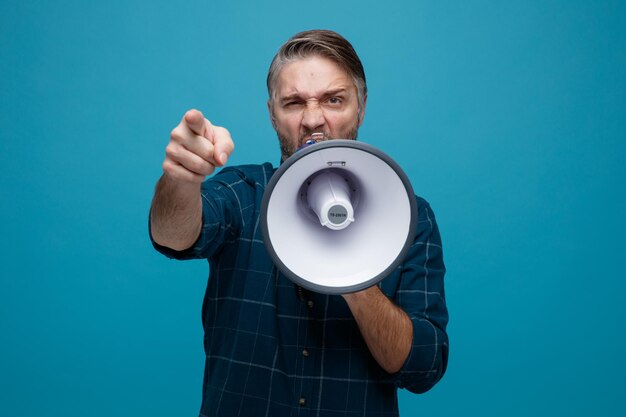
x=337, y=214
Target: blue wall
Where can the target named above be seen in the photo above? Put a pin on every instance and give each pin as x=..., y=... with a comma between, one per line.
x=509, y=117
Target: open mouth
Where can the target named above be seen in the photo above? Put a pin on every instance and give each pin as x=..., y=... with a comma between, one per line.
x=317, y=136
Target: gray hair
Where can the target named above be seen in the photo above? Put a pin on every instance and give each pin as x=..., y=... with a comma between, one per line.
x=323, y=43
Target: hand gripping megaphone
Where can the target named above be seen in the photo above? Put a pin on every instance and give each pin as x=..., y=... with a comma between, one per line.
x=338, y=216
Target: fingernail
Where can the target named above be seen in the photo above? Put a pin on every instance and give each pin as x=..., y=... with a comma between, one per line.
x=223, y=157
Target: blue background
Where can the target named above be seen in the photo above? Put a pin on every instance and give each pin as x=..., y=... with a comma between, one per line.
x=509, y=117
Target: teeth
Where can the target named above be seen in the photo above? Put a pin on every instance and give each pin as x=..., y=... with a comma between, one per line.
x=317, y=136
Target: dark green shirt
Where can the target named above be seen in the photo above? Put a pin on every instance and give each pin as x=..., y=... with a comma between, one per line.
x=274, y=349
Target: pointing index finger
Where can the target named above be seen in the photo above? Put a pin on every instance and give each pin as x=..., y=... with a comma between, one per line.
x=196, y=122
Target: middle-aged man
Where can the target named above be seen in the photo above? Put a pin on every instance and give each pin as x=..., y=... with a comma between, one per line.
x=273, y=348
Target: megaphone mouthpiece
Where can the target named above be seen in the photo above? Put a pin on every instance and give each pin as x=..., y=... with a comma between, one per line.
x=329, y=197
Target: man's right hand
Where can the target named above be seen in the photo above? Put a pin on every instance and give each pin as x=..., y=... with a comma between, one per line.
x=196, y=147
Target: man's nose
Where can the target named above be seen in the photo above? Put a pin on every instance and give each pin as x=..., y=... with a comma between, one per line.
x=313, y=116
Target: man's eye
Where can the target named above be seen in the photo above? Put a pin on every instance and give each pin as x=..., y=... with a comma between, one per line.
x=334, y=100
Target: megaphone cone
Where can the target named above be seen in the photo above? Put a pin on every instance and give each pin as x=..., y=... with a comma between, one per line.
x=338, y=216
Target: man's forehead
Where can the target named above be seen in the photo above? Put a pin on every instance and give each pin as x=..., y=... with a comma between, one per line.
x=315, y=75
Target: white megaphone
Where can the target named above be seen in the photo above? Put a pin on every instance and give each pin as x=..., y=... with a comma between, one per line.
x=338, y=216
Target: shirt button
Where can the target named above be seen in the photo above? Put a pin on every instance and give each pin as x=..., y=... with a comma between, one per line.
x=310, y=303
x=305, y=353
x=302, y=401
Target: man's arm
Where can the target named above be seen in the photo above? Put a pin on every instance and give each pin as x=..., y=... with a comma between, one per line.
x=196, y=147
x=404, y=320
x=386, y=328
x=176, y=214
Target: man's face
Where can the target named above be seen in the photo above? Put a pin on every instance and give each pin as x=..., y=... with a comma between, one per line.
x=314, y=95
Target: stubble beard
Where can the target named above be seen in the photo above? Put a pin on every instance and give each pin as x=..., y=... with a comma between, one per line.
x=288, y=147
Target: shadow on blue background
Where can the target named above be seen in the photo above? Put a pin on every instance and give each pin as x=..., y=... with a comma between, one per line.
x=508, y=118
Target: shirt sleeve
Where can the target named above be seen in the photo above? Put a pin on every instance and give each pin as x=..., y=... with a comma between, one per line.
x=419, y=291
x=221, y=218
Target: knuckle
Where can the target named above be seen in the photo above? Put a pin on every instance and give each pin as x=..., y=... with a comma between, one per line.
x=176, y=134
x=168, y=167
x=171, y=151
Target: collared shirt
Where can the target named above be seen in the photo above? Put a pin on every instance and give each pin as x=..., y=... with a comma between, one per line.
x=275, y=349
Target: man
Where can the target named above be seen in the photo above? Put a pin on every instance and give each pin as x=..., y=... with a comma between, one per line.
x=272, y=348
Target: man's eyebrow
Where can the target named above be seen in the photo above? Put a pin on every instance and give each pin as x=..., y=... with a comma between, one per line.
x=298, y=96
x=293, y=96
x=335, y=92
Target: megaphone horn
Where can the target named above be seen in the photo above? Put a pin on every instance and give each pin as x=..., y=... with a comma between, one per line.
x=338, y=216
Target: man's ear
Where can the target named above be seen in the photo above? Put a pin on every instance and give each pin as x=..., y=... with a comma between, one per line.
x=271, y=112
x=362, y=111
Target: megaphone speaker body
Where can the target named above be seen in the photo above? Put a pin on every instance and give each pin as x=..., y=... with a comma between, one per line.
x=338, y=216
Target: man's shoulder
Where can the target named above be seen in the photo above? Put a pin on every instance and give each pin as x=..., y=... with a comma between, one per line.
x=426, y=220
x=422, y=205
